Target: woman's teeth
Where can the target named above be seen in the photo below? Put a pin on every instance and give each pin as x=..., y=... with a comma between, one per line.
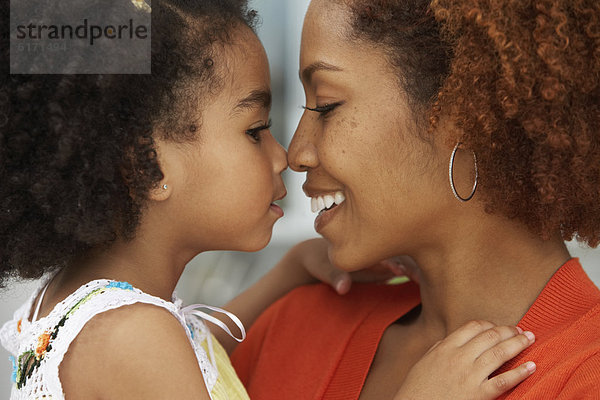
x=322, y=203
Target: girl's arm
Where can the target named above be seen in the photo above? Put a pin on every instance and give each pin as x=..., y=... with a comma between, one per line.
x=459, y=366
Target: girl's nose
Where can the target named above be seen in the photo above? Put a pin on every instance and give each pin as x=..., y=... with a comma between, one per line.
x=280, y=162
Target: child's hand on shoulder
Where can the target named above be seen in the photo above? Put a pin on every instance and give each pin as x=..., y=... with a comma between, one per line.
x=312, y=257
x=459, y=366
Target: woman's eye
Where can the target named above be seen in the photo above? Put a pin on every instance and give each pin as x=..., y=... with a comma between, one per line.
x=324, y=110
x=254, y=133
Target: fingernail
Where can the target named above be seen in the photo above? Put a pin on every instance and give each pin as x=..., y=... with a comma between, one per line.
x=531, y=367
x=530, y=336
x=398, y=269
x=340, y=286
x=519, y=330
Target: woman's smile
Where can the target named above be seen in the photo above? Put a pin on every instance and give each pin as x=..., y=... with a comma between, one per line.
x=325, y=216
x=324, y=202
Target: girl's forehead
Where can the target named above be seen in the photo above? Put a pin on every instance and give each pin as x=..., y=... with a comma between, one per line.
x=246, y=60
x=247, y=82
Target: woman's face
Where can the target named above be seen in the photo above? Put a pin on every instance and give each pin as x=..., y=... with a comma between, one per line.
x=224, y=182
x=359, y=141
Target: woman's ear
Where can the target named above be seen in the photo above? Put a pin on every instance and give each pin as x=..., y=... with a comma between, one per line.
x=445, y=133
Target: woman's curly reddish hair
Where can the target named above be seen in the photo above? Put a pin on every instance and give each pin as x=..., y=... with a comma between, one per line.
x=521, y=82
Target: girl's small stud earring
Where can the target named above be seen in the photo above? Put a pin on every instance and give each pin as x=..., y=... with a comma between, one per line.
x=165, y=187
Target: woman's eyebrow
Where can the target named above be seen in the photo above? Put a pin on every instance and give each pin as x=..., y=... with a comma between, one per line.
x=307, y=73
x=256, y=99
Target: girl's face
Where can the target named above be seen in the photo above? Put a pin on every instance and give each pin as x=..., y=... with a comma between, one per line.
x=358, y=141
x=223, y=184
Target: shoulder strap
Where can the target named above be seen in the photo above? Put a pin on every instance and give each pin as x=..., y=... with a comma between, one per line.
x=39, y=303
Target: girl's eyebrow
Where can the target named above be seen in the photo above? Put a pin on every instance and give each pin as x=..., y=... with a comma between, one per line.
x=256, y=99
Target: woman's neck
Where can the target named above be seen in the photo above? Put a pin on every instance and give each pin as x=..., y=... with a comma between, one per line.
x=492, y=271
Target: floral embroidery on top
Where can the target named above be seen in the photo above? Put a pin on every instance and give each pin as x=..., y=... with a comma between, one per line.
x=13, y=376
x=120, y=285
x=42, y=346
x=191, y=329
x=30, y=360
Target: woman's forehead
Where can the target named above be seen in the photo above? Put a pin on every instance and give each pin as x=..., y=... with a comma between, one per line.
x=328, y=44
x=326, y=17
x=325, y=34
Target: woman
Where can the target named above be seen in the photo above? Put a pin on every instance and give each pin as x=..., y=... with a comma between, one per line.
x=112, y=223
x=464, y=134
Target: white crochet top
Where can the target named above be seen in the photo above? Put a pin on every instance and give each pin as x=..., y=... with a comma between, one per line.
x=38, y=347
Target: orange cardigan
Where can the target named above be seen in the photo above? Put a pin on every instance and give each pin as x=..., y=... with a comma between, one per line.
x=314, y=344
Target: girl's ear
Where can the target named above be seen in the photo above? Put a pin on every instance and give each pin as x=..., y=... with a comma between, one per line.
x=168, y=158
x=162, y=192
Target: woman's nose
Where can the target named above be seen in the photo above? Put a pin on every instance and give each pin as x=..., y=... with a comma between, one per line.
x=302, y=153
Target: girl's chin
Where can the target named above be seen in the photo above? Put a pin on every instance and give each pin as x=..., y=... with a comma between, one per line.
x=256, y=244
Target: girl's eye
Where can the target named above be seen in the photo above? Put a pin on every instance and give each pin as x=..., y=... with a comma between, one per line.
x=254, y=133
x=325, y=109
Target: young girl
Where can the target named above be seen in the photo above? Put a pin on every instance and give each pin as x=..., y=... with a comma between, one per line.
x=113, y=183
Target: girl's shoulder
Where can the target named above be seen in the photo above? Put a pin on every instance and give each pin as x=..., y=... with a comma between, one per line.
x=138, y=346
x=75, y=310
x=102, y=322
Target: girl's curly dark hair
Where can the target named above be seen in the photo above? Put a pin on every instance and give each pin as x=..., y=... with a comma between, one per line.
x=77, y=157
x=521, y=82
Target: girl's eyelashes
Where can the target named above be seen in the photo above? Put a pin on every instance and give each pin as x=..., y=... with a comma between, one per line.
x=324, y=110
x=254, y=133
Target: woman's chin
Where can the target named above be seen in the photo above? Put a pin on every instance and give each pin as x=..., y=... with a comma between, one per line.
x=349, y=259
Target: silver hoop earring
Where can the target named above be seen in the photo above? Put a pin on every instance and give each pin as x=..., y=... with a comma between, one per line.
x=451, y=175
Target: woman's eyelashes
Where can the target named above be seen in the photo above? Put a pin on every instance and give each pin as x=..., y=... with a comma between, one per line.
x=324, y=110
x=254, y=133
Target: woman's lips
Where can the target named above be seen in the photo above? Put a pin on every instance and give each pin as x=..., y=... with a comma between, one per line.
x=325, y=217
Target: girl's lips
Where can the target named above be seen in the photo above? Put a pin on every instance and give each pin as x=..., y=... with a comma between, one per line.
x=325, y=217
x=277, y=210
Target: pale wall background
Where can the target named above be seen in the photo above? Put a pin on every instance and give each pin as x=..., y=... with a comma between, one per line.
x=214, y=278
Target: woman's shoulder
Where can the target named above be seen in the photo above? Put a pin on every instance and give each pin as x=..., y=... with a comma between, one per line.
x=320, y=300
x=320, y=306
x=566, y=320
x=321, y=323
x=568, y=364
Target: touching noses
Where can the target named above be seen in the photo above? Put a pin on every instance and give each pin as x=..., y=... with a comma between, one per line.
x=280, y=162
x=302, y=153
